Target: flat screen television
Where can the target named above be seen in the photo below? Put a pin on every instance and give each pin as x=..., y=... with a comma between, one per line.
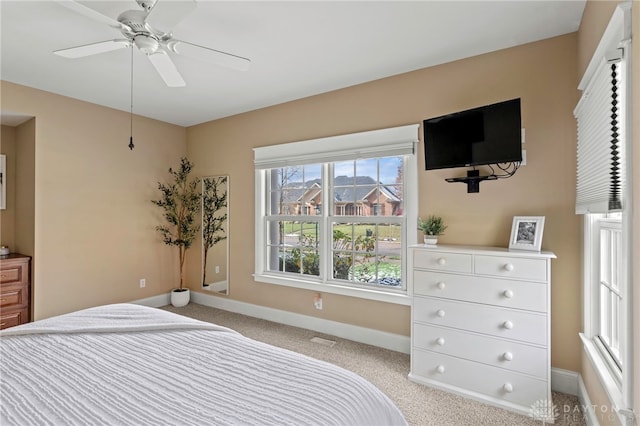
x=486, y=135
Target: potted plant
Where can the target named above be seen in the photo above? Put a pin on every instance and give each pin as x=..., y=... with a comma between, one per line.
x=431, y=228
x=180, y=202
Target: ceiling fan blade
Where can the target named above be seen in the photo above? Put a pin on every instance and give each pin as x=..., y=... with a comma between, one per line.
x=93, y=48
x=167, y=14
x=209, y=55
x=90, y=13
x=166, y=68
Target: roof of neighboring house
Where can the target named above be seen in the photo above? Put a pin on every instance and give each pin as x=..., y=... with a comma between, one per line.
x=346, y=189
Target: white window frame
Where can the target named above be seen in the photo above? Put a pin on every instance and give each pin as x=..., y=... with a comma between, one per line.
x=593, y=224
x=355, y=146
x=617, y=383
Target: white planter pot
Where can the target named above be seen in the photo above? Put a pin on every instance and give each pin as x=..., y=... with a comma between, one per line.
x=430, y=240
x=180, y=298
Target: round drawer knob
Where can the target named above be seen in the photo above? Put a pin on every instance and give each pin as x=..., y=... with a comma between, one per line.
x=442, y=261
x=441, y=285
x=440, y=369
x=440, y=313
x=508, y=267
x=507, y=387
x=440, y=341
x=508, y=294
x=507, y=356
x=508, y=325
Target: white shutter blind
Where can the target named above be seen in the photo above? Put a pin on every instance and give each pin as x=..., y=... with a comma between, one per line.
x=600, y=156
x=375, y=143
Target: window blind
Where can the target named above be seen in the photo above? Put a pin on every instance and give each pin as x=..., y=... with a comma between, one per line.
x=375, y=143
x=600, y=153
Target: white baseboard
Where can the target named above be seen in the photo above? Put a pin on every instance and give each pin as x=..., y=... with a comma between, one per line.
x=154, y=301
x=589, y=414
x=391, y=341
x=565, y=381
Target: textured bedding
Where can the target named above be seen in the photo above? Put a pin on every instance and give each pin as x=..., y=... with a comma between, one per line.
x=126, y=364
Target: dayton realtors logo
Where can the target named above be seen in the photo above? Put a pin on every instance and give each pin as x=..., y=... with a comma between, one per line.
x=544, y=410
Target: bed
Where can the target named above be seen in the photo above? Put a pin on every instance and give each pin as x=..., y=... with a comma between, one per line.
x=126, y=364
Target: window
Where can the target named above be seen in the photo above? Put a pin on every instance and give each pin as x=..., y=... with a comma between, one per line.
x=608, y=291
x=333, y=213
x=603, y=196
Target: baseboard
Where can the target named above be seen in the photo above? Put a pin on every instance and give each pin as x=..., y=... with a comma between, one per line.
x=565, y=381
x=391, y=341
x=154, y=301
x=585, y=402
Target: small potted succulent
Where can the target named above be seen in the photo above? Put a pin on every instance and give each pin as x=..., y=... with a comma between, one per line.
x=431, y=228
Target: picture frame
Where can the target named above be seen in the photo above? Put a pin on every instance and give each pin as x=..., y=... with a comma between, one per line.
x=526, y=233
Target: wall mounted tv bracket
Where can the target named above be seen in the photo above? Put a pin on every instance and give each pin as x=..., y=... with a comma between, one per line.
x=472, y=180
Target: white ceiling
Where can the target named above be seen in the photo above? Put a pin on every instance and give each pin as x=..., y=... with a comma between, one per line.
x=297, y=48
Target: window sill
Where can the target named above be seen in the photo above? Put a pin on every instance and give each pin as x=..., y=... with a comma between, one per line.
x=362, y=293
x=609, y=382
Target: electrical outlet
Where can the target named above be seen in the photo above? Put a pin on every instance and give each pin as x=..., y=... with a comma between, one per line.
x=217, y=269
x=524, y=158
x=317, y=301
x=143, y=283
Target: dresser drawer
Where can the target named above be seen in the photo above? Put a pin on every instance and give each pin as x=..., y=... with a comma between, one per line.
x=13, y=317
x=443, y=261
x=484, y=379
x=512, y=267
x=501, y=292
x=16, y=273
x=506, y=354
x=14, y=295
x=506, y=323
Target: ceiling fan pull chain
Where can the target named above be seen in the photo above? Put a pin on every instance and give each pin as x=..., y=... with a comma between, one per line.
x=131, y=145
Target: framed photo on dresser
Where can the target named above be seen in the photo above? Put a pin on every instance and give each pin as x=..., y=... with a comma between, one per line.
x=526, y=233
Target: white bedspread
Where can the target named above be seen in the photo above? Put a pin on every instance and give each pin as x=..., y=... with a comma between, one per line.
x=132, y=365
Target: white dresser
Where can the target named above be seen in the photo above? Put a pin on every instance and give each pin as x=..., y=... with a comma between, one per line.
x=481, y=323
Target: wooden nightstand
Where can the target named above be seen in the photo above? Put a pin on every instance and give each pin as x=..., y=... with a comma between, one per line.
x=15, y=283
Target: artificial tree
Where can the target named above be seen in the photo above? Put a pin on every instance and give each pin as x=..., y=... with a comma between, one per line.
x=180, y=202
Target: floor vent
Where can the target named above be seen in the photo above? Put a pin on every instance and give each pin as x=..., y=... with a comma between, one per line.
x=322, y=341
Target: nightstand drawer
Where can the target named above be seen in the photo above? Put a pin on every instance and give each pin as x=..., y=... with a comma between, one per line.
x=506, y=323
x=500, y=292
x=520, y=357
x=512, y=267
x=443, y=261
x=475, y=377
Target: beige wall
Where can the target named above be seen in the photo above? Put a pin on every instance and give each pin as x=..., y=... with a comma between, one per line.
x=24, y=187
x=93, y=222
x=7, y=216
x=543, y=74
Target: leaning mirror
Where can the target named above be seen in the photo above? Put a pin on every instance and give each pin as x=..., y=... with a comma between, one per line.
x=215, y=238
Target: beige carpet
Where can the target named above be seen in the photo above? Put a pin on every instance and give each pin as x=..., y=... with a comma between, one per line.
x=386, y=369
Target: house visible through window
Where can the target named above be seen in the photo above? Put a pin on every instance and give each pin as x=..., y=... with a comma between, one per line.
x=329, y=224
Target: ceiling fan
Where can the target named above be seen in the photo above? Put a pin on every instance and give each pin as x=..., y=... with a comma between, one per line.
x=149, y=29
